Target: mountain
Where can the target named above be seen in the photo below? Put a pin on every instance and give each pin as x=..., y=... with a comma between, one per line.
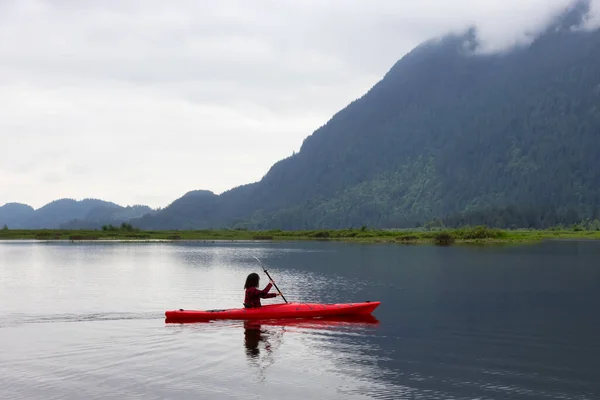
x=448, y=130
x=184, y=212
x=12, y=213
x=68, y=214
x=107, y=214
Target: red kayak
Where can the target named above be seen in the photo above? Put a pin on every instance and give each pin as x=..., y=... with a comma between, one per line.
x=275, y=311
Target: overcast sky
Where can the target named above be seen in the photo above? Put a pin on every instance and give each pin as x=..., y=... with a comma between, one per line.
x=140, y=101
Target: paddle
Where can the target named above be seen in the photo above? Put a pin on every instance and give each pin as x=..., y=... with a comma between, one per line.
x=274, y=284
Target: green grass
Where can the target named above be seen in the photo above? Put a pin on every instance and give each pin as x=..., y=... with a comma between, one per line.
x=476, y=235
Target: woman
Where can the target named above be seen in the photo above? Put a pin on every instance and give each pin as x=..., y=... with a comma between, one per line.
x=253, y=294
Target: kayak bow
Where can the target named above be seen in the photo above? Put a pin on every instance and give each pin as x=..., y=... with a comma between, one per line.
x=275, y=311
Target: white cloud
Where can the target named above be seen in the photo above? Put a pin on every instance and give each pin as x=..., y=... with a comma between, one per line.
x=140, y=101
x=593, y=22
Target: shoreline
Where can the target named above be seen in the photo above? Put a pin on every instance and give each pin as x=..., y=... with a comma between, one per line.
x=462, y=236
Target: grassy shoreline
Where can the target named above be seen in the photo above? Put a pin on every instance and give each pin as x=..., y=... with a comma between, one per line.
x=475, y=235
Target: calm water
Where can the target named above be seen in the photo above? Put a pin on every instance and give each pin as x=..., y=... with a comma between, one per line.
x=87, y=321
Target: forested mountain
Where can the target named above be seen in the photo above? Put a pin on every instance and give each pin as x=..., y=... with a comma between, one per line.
x=68, y=213
x=449, y=136
x=446, y=131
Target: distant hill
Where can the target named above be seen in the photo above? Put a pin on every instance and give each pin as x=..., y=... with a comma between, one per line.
x=447, y=131
x=11, y=214
x=107, y=215
x=68, y=213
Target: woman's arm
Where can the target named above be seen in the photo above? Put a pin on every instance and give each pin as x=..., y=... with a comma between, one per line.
x=265, y=292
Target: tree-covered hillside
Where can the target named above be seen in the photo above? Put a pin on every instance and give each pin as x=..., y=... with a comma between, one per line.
x=446, y=131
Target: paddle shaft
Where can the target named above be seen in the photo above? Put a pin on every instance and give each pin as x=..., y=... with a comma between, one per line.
x=274, y=284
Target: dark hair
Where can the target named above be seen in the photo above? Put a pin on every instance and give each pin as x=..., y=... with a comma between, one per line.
x=252, y=280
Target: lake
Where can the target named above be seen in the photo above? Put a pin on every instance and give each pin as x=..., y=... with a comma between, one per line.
x=86, y=320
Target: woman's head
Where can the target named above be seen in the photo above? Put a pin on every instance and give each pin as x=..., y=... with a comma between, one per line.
x=252, y=280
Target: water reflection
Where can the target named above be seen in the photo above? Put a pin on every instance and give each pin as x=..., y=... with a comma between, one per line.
x=254, y=334
x=262, y=338
x=255, y=337
x=257, y=331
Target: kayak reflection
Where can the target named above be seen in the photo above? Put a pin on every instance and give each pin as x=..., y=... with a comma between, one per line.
x=254, y=332
x=267, y=335
x=317, y=323
x=260, y=343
